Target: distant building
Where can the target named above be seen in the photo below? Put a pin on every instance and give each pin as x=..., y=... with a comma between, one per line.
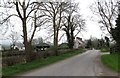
x=19, y=46
x=78, y=43
x=4, y=47
x=1, y=48
x=4, y=44
x=42, y=46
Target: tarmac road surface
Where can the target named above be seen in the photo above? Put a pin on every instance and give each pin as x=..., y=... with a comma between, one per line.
x=85, y=64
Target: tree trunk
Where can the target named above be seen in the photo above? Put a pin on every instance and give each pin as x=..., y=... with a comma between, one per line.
x=68, y=39
x=28, y=47
x=55, y=37
x=29, y=54
x=56, y=44
x=72, y=37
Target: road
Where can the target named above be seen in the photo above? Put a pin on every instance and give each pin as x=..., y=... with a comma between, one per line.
x=85, y=64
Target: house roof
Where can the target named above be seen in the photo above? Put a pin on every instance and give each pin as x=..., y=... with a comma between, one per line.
x=42, y=45
x=80, y=39
x=19, y=44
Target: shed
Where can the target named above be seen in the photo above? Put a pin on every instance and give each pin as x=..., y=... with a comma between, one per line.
x=42, y=46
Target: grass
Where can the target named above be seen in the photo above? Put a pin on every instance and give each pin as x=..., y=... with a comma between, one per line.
x=104, y=50
x=11, y=70
x=111, y=61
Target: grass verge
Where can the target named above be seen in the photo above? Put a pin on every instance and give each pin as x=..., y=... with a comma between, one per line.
x=111, y=61
x=18, y=68
x=104, y=50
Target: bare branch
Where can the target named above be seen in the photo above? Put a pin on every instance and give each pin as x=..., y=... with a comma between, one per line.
x=18, y=11
x=61, y=37
x=8, y=18
x=107, y=12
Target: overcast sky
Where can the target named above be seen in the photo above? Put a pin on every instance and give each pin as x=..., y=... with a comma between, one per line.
x=91, y=26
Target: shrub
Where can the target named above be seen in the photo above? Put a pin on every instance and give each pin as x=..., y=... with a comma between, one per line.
x=12, y=53
x=9, y=61
x=46, y=54
x=114, y=49
x=63, y=46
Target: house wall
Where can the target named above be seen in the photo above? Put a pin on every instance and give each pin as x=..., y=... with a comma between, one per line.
x=19, y=48
x=78, y=44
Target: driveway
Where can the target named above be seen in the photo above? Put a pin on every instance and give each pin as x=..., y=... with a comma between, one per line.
x=85, y=64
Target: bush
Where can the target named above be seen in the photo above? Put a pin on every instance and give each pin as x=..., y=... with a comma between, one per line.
x=12, y=53
x=114, y=49
x=30, y=56
x=46, y=54
x=9, y=61
x=63, y=46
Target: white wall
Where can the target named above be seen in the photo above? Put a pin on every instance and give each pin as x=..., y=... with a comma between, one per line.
x=77, y=44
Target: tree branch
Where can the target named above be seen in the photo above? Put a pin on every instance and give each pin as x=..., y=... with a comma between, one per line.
x=8, y=18
x=18, y=11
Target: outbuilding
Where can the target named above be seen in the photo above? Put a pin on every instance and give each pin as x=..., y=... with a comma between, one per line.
x=42, y=46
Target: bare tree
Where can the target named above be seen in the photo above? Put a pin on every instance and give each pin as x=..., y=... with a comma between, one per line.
x=73, y=22
x=54, y=12
x=37, y=41
x=13, y=37
x=25, y=10
x=107, y=11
